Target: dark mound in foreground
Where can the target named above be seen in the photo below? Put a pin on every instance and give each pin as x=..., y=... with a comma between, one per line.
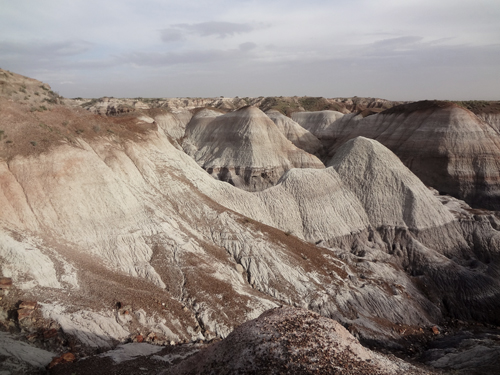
x=290, y=341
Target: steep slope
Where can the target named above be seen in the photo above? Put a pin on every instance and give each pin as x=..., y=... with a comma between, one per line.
x=174, y=125
x=200, y=120
x=295, y=133
x=390, y=193
x=26, y=90
x=376, y=208
x=244, y=148
x=445, y=145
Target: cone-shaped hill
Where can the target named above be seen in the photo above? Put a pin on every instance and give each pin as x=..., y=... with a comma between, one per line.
x=446, y=146
x=391, y=194
x=244, y=148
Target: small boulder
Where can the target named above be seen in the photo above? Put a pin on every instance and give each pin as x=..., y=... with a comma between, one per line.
x=50, y=333
x=65, y=358
x=5, y=282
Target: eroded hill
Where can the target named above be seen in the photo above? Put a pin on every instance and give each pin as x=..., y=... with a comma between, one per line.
x=118, y=234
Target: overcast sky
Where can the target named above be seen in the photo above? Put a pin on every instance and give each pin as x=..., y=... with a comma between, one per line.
x=393, y=49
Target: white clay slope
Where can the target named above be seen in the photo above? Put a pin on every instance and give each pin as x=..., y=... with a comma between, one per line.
x=174, y=124
x=390, y=193
x=147, y=209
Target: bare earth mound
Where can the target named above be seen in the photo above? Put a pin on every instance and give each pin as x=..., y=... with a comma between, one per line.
x=292, y=341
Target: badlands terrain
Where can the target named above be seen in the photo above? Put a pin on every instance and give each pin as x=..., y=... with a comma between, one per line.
x=247, y=235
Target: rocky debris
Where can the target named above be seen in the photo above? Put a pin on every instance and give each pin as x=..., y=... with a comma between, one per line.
x=293, y=341
x=24, y=313
x=244, y=148
x=129, y=358
x=138, y=338
x=26, y=310
x=435, y=330
x=469, y=351
x=65, y=358
x=19, y=357
x=50, y=333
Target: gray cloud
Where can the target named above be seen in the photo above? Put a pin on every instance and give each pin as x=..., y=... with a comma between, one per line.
x=397, y=42
x=63, y=48
x=199, y=57
x=171, y=35
x=219, y=29
x=412, y=52
x=63, y=55
x=398, y=50
x=248, y=46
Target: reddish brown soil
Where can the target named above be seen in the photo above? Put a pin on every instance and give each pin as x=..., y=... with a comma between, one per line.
x=28, y=130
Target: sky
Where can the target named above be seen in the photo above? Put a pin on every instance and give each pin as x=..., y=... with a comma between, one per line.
x=392, y=49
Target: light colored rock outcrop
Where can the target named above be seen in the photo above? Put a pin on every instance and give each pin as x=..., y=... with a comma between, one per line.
x=174, y=125
x=493, y=119
x=147, y=210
